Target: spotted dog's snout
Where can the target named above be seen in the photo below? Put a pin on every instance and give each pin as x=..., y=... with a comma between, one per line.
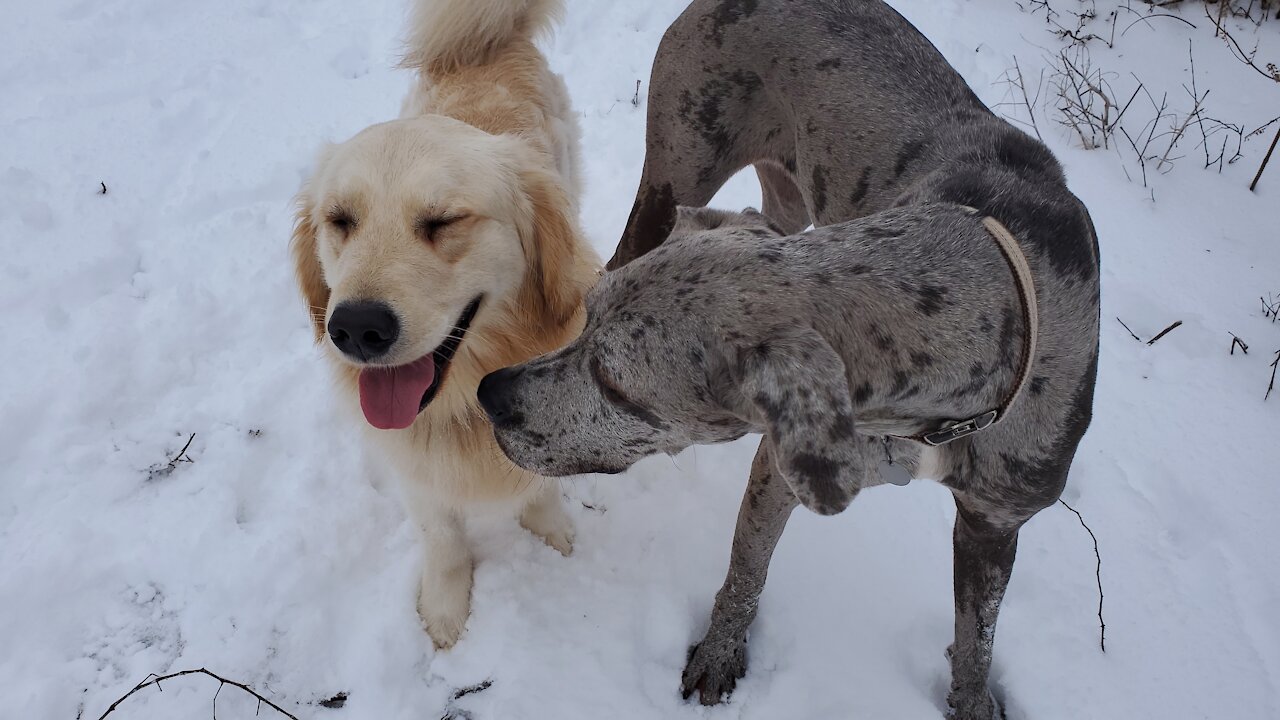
x=363, y=330
x=496, y=397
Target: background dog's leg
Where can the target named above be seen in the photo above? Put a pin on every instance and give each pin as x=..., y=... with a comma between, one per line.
x=666, y=182
x=703, y=126
x=444, y=599
x=984, y=553
x=545, y=517
x=781, y=199
x=716, y=663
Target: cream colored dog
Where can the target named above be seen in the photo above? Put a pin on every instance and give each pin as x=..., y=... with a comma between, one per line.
x=441, y=246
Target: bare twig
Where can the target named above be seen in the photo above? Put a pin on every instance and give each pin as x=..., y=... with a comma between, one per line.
x=1271, y=386
x=103, y=191
x=1102, y=640
x=181, y=456
x=1022, y=85
x=1197, y=109
x=1236, y=341
x=1163, y=332
x=1270, y=307
x=1271, y=72
x=1253, y=185
x=635, y=99
x=1131, y=333
x=1146, y=18
x=157, y=679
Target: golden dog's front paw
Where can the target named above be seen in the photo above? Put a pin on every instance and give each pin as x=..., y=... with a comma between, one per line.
x=546, y=518
x=444, y=605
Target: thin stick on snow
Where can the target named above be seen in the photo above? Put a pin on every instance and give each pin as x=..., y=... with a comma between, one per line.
x=179, y=457
x=1253, y=185
x=1102, y=639
x=1131, y=333
x=154, y=679
x=1022, y=85
x=1235, y=340
x=1272, y=385
x=1163, y=332
x=1271, y=72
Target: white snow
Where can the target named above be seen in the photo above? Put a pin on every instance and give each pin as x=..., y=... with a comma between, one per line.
x=282, y=558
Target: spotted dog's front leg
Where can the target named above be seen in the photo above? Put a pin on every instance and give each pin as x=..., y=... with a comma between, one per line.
x=716, y=663
x=984, y=554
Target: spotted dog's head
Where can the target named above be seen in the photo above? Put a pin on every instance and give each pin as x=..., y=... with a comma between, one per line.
x=669, y=359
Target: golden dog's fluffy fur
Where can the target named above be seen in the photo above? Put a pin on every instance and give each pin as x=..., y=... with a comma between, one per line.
x=471, y=193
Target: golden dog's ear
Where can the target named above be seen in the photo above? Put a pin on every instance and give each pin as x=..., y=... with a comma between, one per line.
x=306, y=264
x=562, y=267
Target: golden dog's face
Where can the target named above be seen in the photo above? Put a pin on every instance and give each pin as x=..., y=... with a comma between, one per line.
x=407, y=235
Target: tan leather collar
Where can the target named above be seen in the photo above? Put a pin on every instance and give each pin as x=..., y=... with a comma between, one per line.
x=954, y=430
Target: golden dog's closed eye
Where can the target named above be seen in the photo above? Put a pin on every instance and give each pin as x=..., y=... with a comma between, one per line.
x=429, y=226
x=341, y=220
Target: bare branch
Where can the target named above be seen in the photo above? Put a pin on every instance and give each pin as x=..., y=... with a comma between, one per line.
x=154, y=679
x=1102, y=624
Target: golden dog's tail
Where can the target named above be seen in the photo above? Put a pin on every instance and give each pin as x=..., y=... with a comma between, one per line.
x=447, y=34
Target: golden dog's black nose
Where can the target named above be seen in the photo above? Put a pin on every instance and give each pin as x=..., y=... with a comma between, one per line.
x=494, y=395
x=363, y=330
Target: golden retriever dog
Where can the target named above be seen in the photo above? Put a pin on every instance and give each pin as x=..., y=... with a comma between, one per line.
x=438, y=247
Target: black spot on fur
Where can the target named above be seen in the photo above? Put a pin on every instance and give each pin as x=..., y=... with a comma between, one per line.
x=932, y=299
x=1045, y=217
x=883, y=341
x=862, y=394
x=907, y=155
x=651, y=220
x=860, y=189
x=901, y=384
x=774, y=412
x=921, y=359
x=1037, y=385
x=819, y=475
x=819, y=189
x=830, y=64
x=841, y=428
x=727, y=13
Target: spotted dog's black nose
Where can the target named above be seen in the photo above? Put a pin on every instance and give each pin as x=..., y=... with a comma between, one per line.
x=363, y=330
x=495, y=397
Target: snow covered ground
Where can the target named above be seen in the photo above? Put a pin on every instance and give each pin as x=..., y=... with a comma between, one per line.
x=279, y=556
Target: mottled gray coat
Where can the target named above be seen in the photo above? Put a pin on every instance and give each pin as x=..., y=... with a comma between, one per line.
x=832, y=341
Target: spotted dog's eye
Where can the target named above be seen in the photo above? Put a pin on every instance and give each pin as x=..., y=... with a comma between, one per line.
x=429, y=227
x=608, y=389
x=341, y=220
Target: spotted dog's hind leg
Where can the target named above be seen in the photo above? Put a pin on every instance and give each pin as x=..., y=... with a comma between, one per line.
x=781, y=199
x=716, y=663
x=706, y=121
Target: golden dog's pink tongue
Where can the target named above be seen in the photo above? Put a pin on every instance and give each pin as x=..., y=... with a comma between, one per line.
x=390, y=397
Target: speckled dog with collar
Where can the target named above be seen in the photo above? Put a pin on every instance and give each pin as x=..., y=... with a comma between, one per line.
x=965, y=291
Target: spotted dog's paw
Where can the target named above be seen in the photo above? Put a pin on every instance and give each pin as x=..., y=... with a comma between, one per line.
x=713, y=670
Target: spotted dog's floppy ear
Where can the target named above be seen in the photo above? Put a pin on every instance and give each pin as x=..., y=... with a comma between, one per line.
x=797, y=382
x=306, y=263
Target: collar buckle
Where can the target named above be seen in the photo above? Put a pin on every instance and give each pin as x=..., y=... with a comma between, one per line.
x=962, y=428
